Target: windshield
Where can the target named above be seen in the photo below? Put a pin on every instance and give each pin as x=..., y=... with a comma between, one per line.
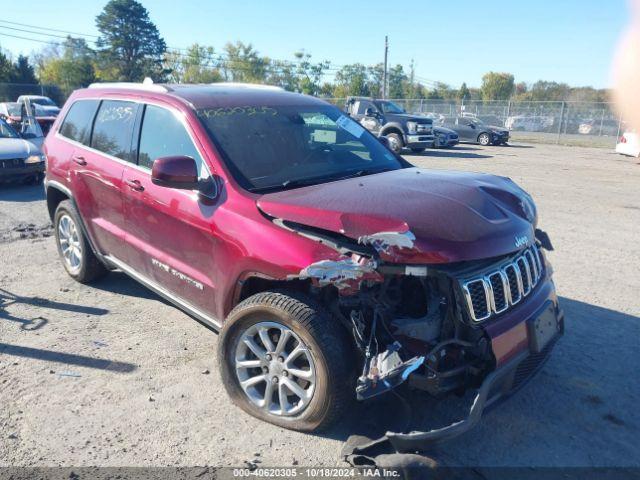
x=275, y=148
x=6, y=131
x=12, y=109
x=43, y=101
x=475, y=121
x=390, y=107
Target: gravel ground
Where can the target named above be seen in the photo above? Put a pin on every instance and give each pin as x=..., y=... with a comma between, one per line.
x=110, y=375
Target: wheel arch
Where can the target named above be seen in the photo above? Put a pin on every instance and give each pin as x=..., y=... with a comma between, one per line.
x=57, y=193
x=392, y=128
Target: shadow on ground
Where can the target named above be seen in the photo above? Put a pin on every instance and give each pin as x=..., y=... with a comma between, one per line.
x=66, y=358
x=579, y=410
x=16, y=192
x=8, y=298
x=450, y=153
x=121, y=284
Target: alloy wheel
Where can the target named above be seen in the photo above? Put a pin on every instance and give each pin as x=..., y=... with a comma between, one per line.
x=275, y=369
x=69, y=240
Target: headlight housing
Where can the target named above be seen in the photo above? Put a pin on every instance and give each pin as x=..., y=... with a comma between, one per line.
x=412, y=127
x=34, y=159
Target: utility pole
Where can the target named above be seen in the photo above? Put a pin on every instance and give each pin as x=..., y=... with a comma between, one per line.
x=384, y=73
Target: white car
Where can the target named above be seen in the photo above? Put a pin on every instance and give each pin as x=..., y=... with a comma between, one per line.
x=629, y=144
x=20, y=158
x=47, y=106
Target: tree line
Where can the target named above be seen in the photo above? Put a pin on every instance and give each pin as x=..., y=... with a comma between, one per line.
x=131, y=48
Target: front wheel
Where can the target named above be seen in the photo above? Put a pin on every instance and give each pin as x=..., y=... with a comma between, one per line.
x=395, y=142
x=285, y=360
x=484, y=139
x=77, y=257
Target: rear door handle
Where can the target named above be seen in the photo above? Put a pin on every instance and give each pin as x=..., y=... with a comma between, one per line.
x=135, y=185
x=79, y=159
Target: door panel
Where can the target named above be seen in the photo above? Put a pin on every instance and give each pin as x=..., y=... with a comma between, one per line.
x=169, y=231
x=97, y=182
x=170, y=238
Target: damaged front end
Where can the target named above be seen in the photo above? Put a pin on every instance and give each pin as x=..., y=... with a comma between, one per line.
x=426, y=325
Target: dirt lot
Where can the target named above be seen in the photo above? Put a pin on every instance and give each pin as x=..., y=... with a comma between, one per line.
x=110, y=375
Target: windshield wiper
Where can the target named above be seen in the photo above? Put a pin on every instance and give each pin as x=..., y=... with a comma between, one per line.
x=305, y=182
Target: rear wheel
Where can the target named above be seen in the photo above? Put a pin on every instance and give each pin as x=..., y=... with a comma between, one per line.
x=285, y=360
x=395, y=142
x=484, y=139
x=77, y=257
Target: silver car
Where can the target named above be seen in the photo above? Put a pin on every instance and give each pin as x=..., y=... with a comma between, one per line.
x=20, y=158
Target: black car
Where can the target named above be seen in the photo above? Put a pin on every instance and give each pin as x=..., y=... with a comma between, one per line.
x=474, y=130
x=387, y=119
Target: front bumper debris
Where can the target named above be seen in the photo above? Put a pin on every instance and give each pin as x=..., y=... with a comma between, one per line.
x=497, y=385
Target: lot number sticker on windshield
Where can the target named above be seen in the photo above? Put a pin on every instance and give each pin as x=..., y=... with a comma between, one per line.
x=350, y=126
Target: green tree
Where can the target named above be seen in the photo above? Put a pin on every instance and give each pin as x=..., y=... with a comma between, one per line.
x=69, y=66
x=352, y=80
x=130, y=47
x=23, y=71
x=6, y=68
x=464, y=93
x=309, y=75
x=244, y=64
x=497, y=86
x=398, y=80
x=198, y=65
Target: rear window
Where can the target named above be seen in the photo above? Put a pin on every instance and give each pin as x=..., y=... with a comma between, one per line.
x=77, y=123
x=113, y=128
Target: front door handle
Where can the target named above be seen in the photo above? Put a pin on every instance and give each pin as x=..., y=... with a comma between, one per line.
x=79, y=159
x=135, y=185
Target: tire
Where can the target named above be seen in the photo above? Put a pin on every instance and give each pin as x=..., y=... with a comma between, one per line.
x=418, y=150
x=83, y=266
x=395, y=142
x=484, y=139
x=327, y=345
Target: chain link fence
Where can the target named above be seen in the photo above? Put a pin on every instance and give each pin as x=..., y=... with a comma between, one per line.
x=568, y=123
x=9, y=92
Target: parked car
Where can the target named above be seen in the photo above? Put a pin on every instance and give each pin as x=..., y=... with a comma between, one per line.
x=629, y=144
x=20, y=159
x=46, y=105
x=12, y=113
x=387, y=119
x=599, y=127
x=332, y=267
x=472, y=129
x=528, y=123
x=444, y=137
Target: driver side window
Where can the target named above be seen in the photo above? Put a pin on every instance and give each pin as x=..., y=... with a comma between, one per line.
x=163, y=135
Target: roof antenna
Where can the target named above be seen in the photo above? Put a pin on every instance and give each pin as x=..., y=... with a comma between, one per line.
x=147, y=81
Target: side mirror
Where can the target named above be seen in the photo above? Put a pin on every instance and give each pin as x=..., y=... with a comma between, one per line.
x=175, y=172
x=369, y=112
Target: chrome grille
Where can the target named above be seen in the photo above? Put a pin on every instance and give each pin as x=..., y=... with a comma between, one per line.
x=495, y=291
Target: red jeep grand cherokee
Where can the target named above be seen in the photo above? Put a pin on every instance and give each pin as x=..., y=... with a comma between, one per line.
x=333, y=268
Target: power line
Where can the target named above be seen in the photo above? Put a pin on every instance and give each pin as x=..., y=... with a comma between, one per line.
x=222, y=58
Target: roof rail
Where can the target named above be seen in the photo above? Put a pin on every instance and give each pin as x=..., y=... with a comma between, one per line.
x=247, y=85
x=146, y=85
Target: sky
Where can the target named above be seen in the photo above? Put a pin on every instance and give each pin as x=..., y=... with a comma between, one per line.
x=451, y=41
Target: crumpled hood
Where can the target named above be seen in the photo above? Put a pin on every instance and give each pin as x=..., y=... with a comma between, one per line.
x=16, y=148
x=454, y=216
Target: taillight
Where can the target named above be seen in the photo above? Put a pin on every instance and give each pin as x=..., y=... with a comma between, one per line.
x=623, y=139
